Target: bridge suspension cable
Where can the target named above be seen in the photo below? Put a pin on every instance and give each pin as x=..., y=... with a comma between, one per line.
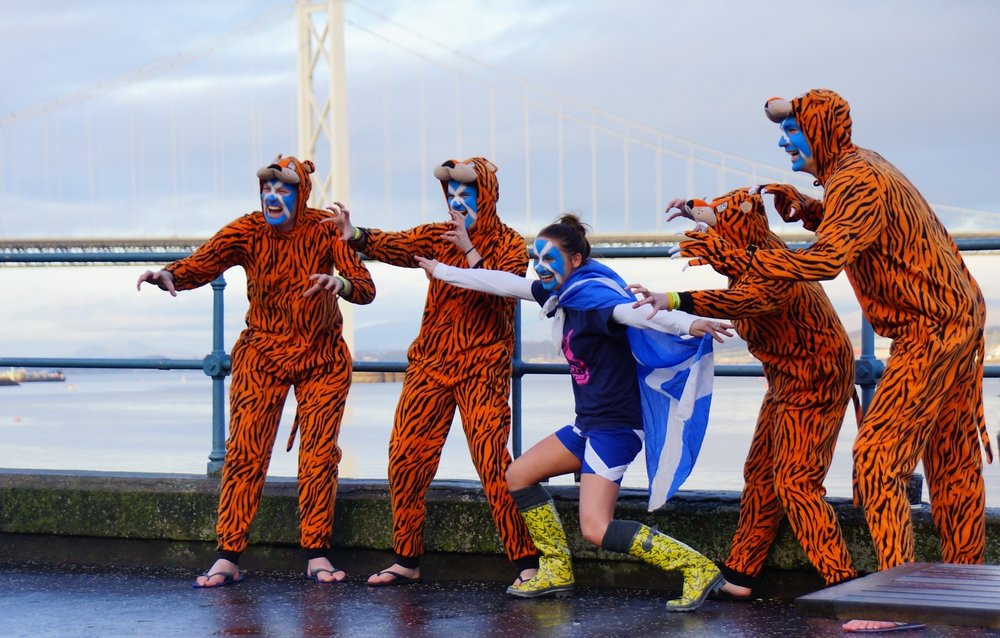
x=153, y=69
x=631, y=164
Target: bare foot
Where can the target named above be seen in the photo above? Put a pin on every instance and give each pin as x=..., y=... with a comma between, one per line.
x=525, y=575
x=736, y=590
x=868, y=625
x=221, y=572
x=384, y=577
x=323, y=571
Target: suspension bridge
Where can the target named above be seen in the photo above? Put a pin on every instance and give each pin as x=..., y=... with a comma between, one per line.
x=169, y=149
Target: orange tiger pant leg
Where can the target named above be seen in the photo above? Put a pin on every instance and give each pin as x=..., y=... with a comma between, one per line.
x=256, y=398
x=891, y=440
x=321, y=398
x=954, y=468
x=760, y=509
x=485, y=413
x=804, y=441
x=423, y=417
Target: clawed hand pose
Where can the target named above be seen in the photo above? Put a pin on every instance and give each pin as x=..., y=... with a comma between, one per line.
x=793, y=330
x=292, y=339
x=916, y=290
x=461, y=359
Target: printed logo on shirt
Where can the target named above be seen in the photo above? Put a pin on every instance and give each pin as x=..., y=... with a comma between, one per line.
x=577, y=368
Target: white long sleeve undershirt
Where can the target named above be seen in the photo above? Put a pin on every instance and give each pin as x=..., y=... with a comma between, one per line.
x=505, y=284
x=494, y=282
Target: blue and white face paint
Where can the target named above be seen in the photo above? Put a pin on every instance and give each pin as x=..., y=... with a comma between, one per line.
x=279, y=201
x=462, y=199
x=551, y=264
x=796, y=145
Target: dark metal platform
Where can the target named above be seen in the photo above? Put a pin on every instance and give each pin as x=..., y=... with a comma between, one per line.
x=965, y=595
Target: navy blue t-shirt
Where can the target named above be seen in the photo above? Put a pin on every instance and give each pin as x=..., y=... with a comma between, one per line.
x=601, y=365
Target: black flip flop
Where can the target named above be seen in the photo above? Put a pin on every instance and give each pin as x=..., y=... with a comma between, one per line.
x=227, y=579
x=897, y=626
x=312, y=575
x=397, y=579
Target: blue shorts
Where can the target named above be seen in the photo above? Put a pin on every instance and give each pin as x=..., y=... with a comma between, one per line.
x=606, y=453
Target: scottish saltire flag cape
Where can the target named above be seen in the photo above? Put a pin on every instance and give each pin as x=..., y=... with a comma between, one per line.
x=675, y=381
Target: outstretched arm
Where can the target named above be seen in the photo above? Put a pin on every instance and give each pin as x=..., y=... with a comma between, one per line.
x=494, y=282
x=751, y=296
x=676, y=322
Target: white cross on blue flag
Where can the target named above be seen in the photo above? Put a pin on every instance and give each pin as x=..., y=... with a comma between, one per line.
x=675, y=381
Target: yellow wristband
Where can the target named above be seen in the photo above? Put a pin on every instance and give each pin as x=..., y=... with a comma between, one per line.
x=357, y=233
x=673, y=300
x=346, y=289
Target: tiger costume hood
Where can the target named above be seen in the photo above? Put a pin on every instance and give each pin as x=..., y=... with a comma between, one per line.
x=824, y=118
x=483, y=173
x=290, y=170
x=742, y=220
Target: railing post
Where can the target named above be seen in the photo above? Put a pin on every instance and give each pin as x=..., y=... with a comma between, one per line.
x=515, y=385
x=868, y=368
x=216, y=365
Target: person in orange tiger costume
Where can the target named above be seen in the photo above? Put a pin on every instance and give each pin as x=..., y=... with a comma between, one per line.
x=914, y=288
x=293, y=338
x=794, y=331
x=461, y=358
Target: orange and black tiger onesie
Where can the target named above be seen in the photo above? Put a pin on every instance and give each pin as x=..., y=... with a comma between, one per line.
x=461, y=358
x=914, y=288
x=290, y=340
x=793, y=330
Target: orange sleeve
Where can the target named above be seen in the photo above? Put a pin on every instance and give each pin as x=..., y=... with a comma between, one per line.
x=350, y=267
x=398, y=248
x=227, y=248
x=749, y=297
x=854, y=217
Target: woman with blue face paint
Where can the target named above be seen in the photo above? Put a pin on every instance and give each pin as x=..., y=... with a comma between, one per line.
x=608, y=431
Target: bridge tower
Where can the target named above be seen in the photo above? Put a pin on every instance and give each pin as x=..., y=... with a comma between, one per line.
x=322, y=108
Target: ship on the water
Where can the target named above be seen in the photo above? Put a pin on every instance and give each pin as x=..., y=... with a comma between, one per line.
x=17, y=376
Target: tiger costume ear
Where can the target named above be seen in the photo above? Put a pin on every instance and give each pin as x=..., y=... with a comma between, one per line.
x=286, y=169
x=777, y=109
x=463, y=172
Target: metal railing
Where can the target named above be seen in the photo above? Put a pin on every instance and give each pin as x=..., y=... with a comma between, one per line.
x=216, y=364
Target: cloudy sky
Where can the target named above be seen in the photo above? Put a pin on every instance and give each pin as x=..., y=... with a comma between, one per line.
x=133, y=119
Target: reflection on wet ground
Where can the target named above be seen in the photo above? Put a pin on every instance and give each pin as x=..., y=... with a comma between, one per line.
x=97, y=603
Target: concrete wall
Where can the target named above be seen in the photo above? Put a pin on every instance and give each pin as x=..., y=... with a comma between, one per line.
x=123, y=520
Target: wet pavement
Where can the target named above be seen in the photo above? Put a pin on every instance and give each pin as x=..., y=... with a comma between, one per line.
x=95, y=603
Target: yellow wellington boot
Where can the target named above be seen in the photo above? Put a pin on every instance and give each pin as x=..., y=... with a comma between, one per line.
x=555, y=565
x=701, y=576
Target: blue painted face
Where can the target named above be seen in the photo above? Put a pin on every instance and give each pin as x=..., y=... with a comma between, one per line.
x=279, y=202
x=795, y=144
x=462, y=199
x=551, y=264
